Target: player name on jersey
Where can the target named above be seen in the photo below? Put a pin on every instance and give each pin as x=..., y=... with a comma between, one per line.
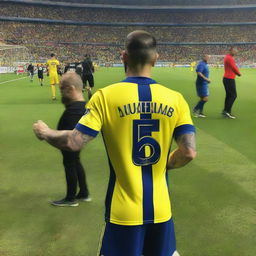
x=145, y=107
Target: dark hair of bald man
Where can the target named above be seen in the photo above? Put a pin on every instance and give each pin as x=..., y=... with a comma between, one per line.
x=140, y=48
x=71, y=79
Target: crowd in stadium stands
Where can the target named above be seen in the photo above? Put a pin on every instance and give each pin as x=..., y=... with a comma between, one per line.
x=115, y=15
x=104, y=43
x=31, y=32
x=162, y=2
x=68, y=42
x=25, y=33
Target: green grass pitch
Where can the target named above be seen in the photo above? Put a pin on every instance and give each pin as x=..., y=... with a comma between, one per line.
x=213, y=198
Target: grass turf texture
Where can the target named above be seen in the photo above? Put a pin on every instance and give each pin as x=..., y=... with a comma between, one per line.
x=213, y=198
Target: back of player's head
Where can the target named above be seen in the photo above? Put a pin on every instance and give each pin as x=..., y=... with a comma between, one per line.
x=206, y=57
x=140, y=48
x=52, y=55
x=233, y=50
x=70, y=79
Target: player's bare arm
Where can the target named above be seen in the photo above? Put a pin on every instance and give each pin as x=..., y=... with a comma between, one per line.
x=72, y=140
x=204, y=77
x=185, y=152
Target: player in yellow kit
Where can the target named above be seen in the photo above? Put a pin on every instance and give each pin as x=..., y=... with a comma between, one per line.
x=52, y=69
x=138, y=119
x=192, y=66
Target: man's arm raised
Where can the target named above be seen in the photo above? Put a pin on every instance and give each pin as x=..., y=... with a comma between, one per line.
x=72, y=140
x=185, y=152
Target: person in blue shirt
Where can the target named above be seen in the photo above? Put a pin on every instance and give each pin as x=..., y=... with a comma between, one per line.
x=202, y=82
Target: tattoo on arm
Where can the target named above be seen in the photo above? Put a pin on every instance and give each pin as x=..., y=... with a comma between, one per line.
x=185, y=152
x=187, y=141
x=58, y=139
x=78, y=139
x=68, y=140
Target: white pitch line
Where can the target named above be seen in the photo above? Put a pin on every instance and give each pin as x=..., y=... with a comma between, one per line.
x=12, y=80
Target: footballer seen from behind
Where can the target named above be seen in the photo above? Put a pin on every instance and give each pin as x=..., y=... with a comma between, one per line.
x=52, y=70
x=138, y=119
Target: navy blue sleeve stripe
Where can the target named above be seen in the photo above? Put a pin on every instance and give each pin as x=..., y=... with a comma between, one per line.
x=86, y=130
x=183, y=129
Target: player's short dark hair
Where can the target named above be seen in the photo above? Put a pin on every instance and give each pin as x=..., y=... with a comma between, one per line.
x=52, y=54
x=140, y=47
x=232, y=48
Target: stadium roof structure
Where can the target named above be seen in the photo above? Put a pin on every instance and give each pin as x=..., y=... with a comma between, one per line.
x=133, y=7
x=118, y=24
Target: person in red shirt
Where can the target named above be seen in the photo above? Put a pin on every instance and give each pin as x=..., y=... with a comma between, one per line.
x=231, y=71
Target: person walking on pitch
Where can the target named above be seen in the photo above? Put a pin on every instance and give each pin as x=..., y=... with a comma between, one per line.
x=202, y=89
x=229, y=82
x=52, y=70
x=31, y=71
x=40, y=73
x=138, y=119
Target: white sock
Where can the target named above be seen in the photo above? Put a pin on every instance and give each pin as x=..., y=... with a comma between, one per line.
x=176, y=254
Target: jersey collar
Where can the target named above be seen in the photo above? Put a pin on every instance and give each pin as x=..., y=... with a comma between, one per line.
x=139, y=80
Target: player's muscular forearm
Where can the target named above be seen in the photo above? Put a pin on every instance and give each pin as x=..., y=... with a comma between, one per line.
x=77, y=140
x=58, y=139
x=185, y=152
x=65, y=140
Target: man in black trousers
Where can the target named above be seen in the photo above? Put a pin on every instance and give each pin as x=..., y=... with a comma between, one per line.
x=231, y=71
x=30, y=70
x=87, y=75
x=71, y=87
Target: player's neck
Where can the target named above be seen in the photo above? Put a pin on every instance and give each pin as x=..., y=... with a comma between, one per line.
x=78, y=97
x=144, y=72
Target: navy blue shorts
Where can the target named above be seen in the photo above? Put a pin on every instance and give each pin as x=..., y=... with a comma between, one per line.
x=202, y=90
x=146, y=240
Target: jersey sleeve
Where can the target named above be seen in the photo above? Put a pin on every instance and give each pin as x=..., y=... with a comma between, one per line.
x=184, y=123
x=57, y=63
x=92, y=120
x=234, y=66
x=200, y=68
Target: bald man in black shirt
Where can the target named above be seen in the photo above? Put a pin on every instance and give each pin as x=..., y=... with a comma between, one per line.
x=72, y=97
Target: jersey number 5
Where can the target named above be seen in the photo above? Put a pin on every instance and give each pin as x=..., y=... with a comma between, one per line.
x=142, y=138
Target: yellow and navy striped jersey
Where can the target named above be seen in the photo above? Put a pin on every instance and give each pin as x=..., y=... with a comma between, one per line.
x=52, y=66
x=138, y=119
